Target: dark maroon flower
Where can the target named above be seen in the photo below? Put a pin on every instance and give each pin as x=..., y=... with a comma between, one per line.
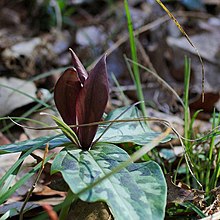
x=81, y=97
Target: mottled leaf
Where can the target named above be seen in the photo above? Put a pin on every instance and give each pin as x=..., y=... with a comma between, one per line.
x=66, y=92
x=150, y=179
x=54, y=141
x=91, y=102
x=136, y=192
x=136, y=132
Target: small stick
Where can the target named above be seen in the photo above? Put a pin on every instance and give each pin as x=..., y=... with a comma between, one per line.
x=34, y=184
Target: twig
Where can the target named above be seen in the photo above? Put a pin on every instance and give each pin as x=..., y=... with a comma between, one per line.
x=150, y=119
x=34, y=184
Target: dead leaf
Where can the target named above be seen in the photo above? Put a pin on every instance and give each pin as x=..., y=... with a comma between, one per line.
x=215, y=206
x=42, y=190
x=5, y=163
x=11, y=100
x=181, y=194
x=211, y=98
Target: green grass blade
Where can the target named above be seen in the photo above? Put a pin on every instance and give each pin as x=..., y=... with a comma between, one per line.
x=210, y=184
x=7, y=184
x=186, y=101
x=14, y=169
x=192, y=122
x=187, y=115
x=215, y=176
x=66, y=205
x=194, y=208
x=134, y=57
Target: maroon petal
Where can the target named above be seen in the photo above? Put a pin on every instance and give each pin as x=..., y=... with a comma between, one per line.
x=83, y=75
x=92, y=101
x=66, y=91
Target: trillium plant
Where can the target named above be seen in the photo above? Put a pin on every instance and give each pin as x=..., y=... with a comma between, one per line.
x=81, y=98
x=92, y=164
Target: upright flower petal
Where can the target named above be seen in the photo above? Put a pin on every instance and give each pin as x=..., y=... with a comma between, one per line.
x=66, y=91
x=83, y=75
x=92, y=101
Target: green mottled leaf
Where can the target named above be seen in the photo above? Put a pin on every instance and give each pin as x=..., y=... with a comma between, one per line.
x=135, y=132
x=121, y=132
x=135, y=192
x=150, y=178
x=54, y=141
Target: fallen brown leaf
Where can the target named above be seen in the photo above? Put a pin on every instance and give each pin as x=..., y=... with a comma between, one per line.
x=182, y=193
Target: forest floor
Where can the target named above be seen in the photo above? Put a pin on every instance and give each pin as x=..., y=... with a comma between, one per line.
x=34, y=40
